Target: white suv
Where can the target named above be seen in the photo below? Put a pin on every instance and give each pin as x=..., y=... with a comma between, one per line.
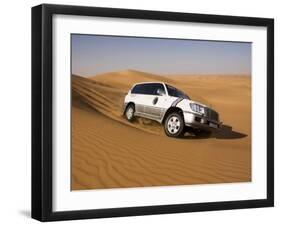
x=169, y=106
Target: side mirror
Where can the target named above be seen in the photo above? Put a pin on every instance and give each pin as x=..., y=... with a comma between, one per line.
x=160, y=92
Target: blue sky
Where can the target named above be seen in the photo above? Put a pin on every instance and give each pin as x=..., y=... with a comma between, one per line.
x=93, y=54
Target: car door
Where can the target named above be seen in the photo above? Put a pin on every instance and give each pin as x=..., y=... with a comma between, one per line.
x=156, y=101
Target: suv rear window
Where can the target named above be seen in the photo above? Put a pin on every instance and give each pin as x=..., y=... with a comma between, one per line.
x=148, y=88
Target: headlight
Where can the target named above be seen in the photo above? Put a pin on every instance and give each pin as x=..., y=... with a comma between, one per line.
x=197, y=108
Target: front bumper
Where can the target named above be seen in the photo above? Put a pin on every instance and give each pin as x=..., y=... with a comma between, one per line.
x=201, y=122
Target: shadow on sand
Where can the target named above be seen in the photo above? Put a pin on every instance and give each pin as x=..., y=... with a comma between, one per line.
x=225, y=132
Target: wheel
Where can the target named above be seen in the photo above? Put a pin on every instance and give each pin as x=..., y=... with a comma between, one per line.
x=174, y=125
x=130, y=111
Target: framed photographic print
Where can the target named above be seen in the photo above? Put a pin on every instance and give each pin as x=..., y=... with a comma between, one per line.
x=145, y=112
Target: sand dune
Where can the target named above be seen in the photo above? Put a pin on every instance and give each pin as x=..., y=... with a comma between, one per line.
x=109, y=101
x=129, y=77
x=109, y=152
x=125, y=80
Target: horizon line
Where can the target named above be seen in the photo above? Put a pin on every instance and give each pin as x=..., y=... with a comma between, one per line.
x=168, y=74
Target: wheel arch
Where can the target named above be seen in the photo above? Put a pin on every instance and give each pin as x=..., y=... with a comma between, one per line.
x=171, y=110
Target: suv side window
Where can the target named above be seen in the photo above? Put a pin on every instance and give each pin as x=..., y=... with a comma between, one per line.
x=151, y=88
x=138, y=89
x=158, y=87
x=148, y=89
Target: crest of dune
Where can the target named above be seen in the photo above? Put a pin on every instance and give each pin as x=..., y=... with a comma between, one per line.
x=125, y=79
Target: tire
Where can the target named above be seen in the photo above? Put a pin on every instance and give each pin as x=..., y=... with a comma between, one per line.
x=174, y=125
x=129, y=113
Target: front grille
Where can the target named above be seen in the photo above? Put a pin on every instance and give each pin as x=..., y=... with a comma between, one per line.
x=211, y=114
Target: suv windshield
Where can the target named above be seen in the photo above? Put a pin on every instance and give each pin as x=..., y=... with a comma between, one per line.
x=174, y=92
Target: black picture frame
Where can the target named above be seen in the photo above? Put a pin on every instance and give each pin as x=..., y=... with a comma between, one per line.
x=42, y=107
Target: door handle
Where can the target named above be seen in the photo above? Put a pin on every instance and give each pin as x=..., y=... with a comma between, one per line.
x=155, y=100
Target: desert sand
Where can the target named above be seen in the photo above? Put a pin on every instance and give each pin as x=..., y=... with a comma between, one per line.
x=109, y=152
